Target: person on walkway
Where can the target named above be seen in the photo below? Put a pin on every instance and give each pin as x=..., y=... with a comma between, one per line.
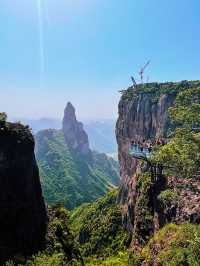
x=158, y=142
x=150, y=148
x=141, y=147
x=163, y=142
x=132, y=144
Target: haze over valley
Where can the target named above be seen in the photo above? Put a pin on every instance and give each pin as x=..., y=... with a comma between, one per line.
x=100, y=132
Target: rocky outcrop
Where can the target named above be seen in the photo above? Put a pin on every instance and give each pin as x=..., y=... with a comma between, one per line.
x=187, y=208
x=143, y=114
x=75, y=136
x=22, y=210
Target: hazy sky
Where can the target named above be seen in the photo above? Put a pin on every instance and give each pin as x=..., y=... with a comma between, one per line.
x=84, y=51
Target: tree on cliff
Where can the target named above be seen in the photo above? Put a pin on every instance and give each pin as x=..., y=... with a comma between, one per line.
x=186, y=111
x=182, y=154
x=3, y=118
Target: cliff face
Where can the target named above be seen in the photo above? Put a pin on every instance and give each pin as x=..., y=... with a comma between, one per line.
x=143, y=114
x=75, y=136
x=22, y=210
x=139, y=118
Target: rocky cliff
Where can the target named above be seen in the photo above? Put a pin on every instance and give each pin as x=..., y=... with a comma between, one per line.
x=143, y=114
x=140, y=117
x=22, y=210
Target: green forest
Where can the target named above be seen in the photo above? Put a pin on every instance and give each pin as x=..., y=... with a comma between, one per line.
x=67, y=177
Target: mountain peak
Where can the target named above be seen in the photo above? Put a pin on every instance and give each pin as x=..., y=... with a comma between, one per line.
x=70, y=111
x=75, y=135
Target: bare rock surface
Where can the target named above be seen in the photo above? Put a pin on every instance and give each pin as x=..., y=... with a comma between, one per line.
x=188, y=206
x=139, y=118
x=74, y=133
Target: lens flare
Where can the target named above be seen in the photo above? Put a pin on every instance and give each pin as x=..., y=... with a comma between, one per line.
x=41, y=41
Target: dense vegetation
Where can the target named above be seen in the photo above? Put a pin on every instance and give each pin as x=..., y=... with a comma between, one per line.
x=181, y=156
x=17, y=130
x=61, y=249
x=3, y=118
x=68, y=177
x=186, y=110
x=98, y=227
x=105, y=243
x=155, y=89
x=143, y=209
x=176, y=245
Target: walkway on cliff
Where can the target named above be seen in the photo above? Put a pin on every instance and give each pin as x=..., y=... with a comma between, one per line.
x=138, y=153
x=143, y=150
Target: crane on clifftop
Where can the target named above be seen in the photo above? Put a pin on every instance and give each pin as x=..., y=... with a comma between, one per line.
x=141, y=73
x=134, y=82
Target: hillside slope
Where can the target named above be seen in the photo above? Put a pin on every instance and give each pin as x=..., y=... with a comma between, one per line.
x=99, y=232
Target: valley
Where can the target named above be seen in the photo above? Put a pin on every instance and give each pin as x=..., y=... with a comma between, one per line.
x=149, y=218
x=71, y=172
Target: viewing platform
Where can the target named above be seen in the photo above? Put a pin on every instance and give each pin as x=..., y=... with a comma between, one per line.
x=196, y=129
x=140, y=153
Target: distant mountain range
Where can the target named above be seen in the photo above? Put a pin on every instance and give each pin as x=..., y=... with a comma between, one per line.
x=101, y=132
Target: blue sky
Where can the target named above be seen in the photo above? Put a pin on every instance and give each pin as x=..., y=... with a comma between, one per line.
x=84, y=51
